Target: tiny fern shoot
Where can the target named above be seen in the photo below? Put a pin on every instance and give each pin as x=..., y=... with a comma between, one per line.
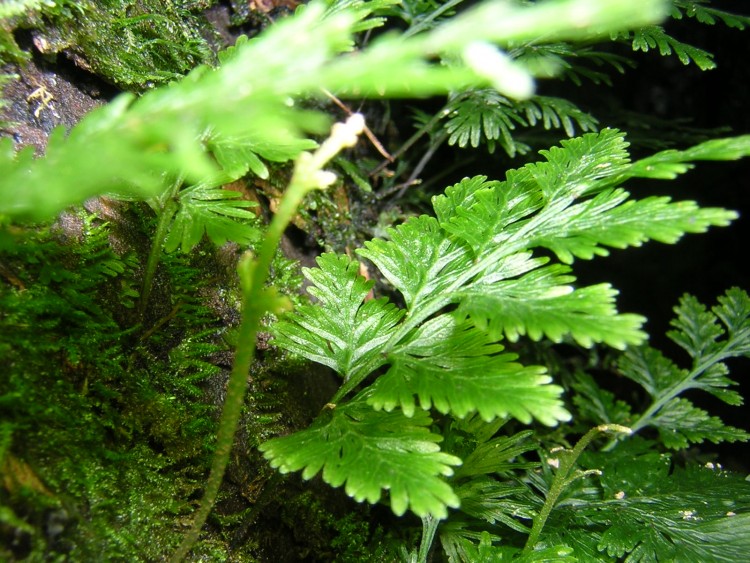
x=468, y=278
x=219, y=213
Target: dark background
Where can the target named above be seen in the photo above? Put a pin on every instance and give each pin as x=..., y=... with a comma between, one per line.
x=653, y=278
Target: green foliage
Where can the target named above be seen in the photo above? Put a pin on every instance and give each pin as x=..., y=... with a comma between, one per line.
x=212, y=211
x=484, y=116
x=476, y=256
x=439, y=388
x=92, y=424
x=653, y=36
x=709, y=337
x=367, y=451
x=650, y=510
x=162, y=133
x=704, y=13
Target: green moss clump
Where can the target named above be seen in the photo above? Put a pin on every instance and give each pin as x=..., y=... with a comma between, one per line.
x=134, y=44
x=105, y=433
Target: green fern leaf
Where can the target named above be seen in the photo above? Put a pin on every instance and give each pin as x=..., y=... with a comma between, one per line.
x=564, y=59
x=238, y=155
x=734, y=312
x=482, y=213
x=419, y=260
x=598, y=405
x=463, y=545
x=680, y=423
x=653, y=512
x=652, y=36
x=708, y=15
x=344, y=331
x=556, y=113
x=493, y=501
x=371, y=451
x=541, y=303
x=497, y=455
x=701, y=334
x=221, y=214
x=697, y=329
x=484, y=116
x=609, y=220
x=708, y=343
x=667, y=165
x=451, y=365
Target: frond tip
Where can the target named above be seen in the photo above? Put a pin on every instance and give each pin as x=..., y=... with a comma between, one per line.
x=370, y=452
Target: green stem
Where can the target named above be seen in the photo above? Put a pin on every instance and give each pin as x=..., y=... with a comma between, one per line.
x=308, y=175
x=429, y=527
x=167, y=211
x=229, y=418
x=562, y=479
x=669, y=394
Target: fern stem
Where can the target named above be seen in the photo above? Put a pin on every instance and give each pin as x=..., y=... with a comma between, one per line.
x=308, y=175
x=429, y=527
x=563, y=478
x=167, y=211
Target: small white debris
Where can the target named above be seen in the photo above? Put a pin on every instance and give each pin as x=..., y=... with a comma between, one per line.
x=730, y=513
x=688, y=515
x=710, y=465
x=620, y=495
x=554, y=462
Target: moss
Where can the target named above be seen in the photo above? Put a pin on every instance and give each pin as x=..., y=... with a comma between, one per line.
x=106, y=433
x=108, y=423
x=134, y=44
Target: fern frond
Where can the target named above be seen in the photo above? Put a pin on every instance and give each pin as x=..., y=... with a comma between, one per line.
x=418, y=260
x=497, y=455
x=668, y=164
x=493, y=501
x=680, y=423
x=654, y=36
x=706, y=14
x=609, y=220
x=598, y=405
x=651, y=511
x=484, y=116
x=369, y=451
x=451, y=365
x=566, y=60
x=342, y=331
x=239, y=155
x=556, y=113
x=541, y=303
x=702, y=335
x=220, y=214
